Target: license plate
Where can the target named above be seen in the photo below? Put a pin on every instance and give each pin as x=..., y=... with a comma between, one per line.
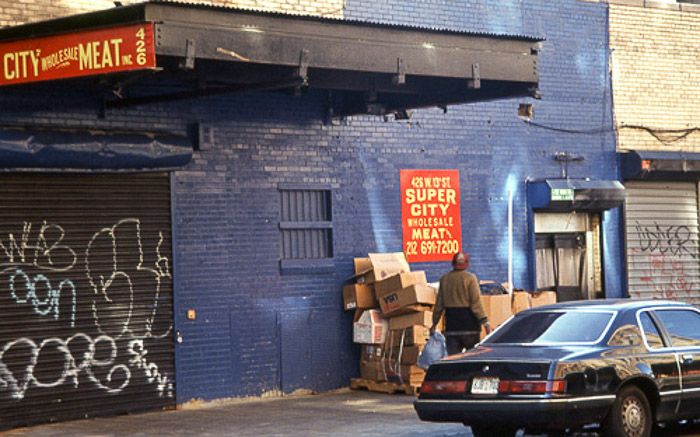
x=485, y=386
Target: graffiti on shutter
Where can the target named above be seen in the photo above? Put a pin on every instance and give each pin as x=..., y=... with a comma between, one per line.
x=86, y=292
x=661, y=221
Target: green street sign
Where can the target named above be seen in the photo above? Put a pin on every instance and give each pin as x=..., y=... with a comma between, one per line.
x=562, y=194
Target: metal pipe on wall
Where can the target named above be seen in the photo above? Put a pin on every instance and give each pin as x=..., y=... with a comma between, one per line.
x=510, y=241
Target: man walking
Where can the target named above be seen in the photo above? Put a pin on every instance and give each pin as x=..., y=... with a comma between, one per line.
x=459, y=298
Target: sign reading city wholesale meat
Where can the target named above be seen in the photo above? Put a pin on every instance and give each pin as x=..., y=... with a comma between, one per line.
x=432, y=229
x=78, y=54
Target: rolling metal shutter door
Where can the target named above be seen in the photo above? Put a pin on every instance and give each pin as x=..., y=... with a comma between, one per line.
x=86, y=296
x=661, y=221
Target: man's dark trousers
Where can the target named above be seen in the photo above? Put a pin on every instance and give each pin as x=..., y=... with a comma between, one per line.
x=458, y=341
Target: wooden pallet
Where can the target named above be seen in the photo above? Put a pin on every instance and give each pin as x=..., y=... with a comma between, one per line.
x=383, y=387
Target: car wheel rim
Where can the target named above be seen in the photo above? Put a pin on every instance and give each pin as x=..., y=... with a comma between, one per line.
x=633, y=417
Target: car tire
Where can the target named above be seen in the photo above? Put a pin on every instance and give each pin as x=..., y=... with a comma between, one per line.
x=493, y=431
x=630, y=415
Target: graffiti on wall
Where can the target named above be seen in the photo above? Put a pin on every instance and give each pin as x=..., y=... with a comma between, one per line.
x=96, y=310
x=666, y=277
x=672, y=239
x=669, y=256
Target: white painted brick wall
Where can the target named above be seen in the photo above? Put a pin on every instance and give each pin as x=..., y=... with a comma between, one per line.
x=655, y=63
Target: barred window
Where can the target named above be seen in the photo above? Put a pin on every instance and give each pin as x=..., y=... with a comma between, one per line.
x=306, y=223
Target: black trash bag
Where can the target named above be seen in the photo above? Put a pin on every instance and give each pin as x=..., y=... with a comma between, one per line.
x=492, y=289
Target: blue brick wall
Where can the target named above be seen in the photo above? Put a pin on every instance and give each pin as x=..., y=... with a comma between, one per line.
x=494, y=150
x=259, y=331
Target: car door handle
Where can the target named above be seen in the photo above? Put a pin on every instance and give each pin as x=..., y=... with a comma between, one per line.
x=687, y=358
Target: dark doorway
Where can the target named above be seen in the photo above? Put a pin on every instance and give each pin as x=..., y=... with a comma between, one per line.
x=561, y=264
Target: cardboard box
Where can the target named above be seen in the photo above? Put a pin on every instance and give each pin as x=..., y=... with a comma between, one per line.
x=397, y=282
x=521, y=301
x=543, y=298
x=408, y=374
x=413, y=335
x=362, y=265
x=398, y=302
x=373, y=370
x=423, y=318
x=409, y=354
x=358, y=296
x=393, y=338
x=498, y=309
x=413, y=375
x=388, y=264
x=372, y=352
x=417, y=335
x=370, y=329
x=357, y=315
x=364, y=274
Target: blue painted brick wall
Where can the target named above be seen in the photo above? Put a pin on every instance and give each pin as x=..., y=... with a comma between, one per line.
x=226, y=202
x=494, y=149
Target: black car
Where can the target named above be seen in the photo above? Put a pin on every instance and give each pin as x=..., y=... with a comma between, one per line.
x=627, y=365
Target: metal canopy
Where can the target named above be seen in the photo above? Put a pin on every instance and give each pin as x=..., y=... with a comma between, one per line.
x=575, y=195
x=655, y=165
x=363, y=67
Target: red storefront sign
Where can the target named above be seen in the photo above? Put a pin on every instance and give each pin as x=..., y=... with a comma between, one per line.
x=78, y=54
x=430, y=214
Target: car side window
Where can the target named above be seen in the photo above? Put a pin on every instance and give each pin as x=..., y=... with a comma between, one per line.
x=682, y=325
x=651, y=332
x=627, y=335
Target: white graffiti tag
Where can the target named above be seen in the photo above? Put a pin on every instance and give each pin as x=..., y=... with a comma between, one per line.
x=44, y=252
x=79, y=356
x=115, y=285
x=138, y=353
x=20, y=280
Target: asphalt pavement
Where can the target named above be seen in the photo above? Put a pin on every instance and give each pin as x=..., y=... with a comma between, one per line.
x=343, y=413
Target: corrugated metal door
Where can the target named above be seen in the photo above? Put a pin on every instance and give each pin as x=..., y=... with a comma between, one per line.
x=661, y=221
x=86, y=296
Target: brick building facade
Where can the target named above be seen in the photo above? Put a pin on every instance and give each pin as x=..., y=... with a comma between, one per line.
x=654, y=67
x=655, y=74
x=260, y=329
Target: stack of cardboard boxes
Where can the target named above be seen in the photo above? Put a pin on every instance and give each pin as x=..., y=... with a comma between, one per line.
x=393, y=314
x=523, y=300
x=407, y=301
x=393, y=335
x=501, y=307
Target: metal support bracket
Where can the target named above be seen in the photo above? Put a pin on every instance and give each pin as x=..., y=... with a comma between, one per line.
x=400, y=76
x=303, y=70
x=371, y=93
x=475, y=81
x=188, y=63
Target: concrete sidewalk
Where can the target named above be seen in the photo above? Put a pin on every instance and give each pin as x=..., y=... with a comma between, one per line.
x=342, y=413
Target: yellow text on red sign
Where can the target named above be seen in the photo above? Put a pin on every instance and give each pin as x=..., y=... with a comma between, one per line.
x=77, y=54
x=430, y=214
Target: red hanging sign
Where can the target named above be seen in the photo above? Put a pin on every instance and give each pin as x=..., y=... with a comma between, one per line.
x=78, y=54
x=430, y=214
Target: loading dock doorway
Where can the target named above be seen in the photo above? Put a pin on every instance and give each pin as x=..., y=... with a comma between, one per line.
x=567, y=255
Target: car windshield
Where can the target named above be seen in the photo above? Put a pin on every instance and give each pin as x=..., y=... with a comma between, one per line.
x=546, y=327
